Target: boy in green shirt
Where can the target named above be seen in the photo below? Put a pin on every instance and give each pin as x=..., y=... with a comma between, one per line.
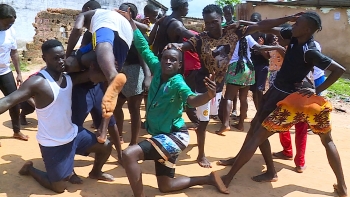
x=167, y=94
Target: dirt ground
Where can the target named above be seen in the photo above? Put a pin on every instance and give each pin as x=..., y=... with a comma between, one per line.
x=317, y=180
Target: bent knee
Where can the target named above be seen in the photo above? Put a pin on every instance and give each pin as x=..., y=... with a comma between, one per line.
x=58, y=187
x=132, y=153
x=164, y=188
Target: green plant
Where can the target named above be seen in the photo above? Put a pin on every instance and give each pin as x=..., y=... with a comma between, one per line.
x=222, y=3
x=23, y=67
x=340, y=89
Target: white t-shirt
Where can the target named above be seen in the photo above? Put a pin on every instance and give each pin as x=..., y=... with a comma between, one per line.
x=114, y=21
x=251, y=43
x=7, y=43
x=317, y=71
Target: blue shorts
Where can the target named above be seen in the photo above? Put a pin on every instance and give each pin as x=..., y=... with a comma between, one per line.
x=59, y=160
x=120, y=48
x=319, y=81
x=87, y=98
x=261, y=72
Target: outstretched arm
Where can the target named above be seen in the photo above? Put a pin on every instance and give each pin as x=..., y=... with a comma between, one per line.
x=199, y=100
x=181, y=31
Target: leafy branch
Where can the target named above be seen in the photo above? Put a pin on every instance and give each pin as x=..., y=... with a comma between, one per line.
x=222, y=3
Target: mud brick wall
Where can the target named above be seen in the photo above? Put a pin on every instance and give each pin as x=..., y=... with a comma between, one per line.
x=195, y=24
x=49, y=24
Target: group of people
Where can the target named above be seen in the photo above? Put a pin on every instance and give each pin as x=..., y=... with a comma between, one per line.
x=122, y=59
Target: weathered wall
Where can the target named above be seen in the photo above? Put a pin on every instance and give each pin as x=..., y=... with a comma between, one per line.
x=195, y=24
x=28, y=9
x=334, y=37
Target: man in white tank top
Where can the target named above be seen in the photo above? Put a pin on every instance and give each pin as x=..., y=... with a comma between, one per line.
x=59, y=139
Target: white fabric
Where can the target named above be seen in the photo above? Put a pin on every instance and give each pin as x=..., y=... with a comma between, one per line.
x=114, y=21
x=55, y=125
x=7, y=43
x=251, y=43
x=317, y=71
x=210, y=108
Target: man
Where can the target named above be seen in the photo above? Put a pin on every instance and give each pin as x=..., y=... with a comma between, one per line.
x=8, y=49
x=299, y=59
x=206, y=44
x=228, y=15
x=59, y=139
x=171, y=29
x=167, y=95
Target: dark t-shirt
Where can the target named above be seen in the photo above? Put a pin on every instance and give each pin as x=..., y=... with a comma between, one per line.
x=132, y=57
x=215, y=55
x=298, y=62
x=256, y=57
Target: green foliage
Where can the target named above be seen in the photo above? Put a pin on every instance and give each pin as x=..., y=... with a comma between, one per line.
x=222, y=3
x=23, y=67
x=340, y=89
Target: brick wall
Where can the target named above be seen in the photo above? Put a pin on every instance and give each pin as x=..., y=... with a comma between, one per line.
x=49, y=24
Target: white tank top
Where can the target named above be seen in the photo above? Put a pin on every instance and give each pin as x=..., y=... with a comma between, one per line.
x=55, y=125
x=114, y=21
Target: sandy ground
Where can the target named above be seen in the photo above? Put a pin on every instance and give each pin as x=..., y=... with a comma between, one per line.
x=317, y=180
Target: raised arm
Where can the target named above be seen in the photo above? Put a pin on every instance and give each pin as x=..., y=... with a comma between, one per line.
x=181, y=30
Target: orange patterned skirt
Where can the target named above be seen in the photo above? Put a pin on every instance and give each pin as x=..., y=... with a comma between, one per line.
x=314, y=110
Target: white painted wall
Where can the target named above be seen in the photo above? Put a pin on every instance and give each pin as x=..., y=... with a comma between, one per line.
x=27, y=10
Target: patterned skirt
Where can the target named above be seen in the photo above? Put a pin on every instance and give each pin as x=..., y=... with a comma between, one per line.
x=135, y=77
x=244, y=78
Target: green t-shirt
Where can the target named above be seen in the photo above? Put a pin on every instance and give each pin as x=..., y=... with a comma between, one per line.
x=165, y=100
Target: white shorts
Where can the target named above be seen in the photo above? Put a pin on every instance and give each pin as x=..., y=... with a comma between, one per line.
x=210, y=108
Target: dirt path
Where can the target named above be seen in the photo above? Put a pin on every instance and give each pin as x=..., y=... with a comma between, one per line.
x=317, y=180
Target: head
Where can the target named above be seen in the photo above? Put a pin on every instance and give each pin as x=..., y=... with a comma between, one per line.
x=228, y=13
x=212, y=15
x=91, y=5
x=180, y=6
x=151, y=12
x=7, y=17
x=171, y=61
x=255, y=17
x=53, y=55
x=307, y=24
x=133, y=9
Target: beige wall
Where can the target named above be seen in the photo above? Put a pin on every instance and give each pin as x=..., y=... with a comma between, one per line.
x=335, y=36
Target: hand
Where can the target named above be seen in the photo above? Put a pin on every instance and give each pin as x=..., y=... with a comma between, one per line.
x=19, y=79
x=171, y=45
x=307, y=92
x=210, y=85
x=234, y=25
x=146, y=83
x=281, y=49
x=146, y=21
x=293, y=18
x=126, y=14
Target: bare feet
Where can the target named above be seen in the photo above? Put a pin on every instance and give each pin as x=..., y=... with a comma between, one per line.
x=280, y=155
x=222, y=130
x=203, y=162
x=101, y=136
x=101, y=176
x=23, y=120
x=228, y=162
x=218, y=183
x=121, y=139
x=342, y=193
x=74, y=179
x=25, y=168
x=20, y=136
x=300, y=169
x=266, y=177
x=225, y=180
x=239, y=126
x=109, y=100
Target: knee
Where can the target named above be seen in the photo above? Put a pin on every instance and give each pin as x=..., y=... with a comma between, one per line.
x=128, y=155
x=164, y=186
x=58, y=187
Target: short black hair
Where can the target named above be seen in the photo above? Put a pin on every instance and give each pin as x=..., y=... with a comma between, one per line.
x=228, y=7
x=150, y=8
x=258, y=15
x=285, y=25
x=314, y=20
x=212, y=8
x=49, y=44
x=133, y=9
x=92, y=4
x=7, y=11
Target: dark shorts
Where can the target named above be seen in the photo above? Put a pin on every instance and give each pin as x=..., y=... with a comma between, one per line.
x=59, y=160
x=120, y=47
x=261, y=72
x=87, y=98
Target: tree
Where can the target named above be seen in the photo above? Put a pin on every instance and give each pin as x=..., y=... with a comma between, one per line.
x=222, y=3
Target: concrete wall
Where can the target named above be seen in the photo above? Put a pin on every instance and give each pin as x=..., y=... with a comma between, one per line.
x=334, y=37
x=28, y=9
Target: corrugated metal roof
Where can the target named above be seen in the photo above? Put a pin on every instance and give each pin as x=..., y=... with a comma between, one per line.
x=316, y=3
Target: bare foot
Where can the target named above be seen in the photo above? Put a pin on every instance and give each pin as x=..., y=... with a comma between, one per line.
x=228, y=162
x=23, y=120
x=25, y=168
x=225, y=180
x=121, y=139
x=342, y=193
x=218, y=183
x=109, y=100
x=101, y=176
x=300, y=169
x=222, y=130
x=20, y=136
x=266, y=177
x=101, y=139
x=280, y=155
x=203, y=162
x=239, y=126
x=74, y=179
